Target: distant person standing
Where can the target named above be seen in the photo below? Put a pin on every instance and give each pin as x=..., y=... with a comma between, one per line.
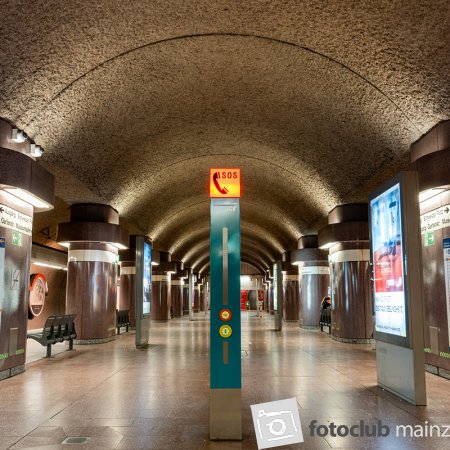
x=326, y=302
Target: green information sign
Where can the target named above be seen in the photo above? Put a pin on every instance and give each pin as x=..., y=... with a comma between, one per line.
x=428, y=239
x=17, y=238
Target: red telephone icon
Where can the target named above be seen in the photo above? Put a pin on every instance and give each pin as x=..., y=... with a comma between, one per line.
x=223, y=190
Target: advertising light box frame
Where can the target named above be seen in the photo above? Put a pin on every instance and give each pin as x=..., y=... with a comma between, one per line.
x=407, y=242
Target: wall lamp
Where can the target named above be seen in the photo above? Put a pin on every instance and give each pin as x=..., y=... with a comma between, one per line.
x=18, y=136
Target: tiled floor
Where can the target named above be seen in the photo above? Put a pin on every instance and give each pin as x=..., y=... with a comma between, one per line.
x=157, y=398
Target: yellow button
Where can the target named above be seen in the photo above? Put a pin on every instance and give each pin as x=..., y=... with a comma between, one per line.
x=225, y=331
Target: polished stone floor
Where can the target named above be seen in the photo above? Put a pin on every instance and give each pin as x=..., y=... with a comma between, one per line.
x=157, y=398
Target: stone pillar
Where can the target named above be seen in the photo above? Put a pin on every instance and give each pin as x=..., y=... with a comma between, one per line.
x=93, y=236
x=25, y=188
x=291, y=294
x=202, y=294
x=430, y=155
x=177, y=289
x=346, y=236
x=161, y=308
x=186, y=292
x=314, y=275
x=127, y=280
x=196, y=300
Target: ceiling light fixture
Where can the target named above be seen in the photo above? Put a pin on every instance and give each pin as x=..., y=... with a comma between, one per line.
x=17, y=136
x=35, y=150
x=28, y=197
x=327, y=245
x=425, y=195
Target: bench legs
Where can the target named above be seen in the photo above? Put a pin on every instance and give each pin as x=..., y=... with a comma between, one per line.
x=49, y=350
x=70, y=344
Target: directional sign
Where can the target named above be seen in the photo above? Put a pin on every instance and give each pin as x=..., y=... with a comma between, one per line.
x=435, y=220
x=15, y=220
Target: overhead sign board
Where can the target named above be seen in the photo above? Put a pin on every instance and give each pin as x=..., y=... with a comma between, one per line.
x=15, y=220
x=435, y=220
x=225, y=183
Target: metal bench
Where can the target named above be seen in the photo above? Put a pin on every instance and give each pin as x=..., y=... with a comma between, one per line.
x=325, y=319
x=122, y=319
x=56, y=329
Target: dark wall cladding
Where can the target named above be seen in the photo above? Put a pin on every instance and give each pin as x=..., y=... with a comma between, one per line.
x=55, y=300
x=435, y=322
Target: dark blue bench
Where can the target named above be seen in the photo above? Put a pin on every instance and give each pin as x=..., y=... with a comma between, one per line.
x=56, y=329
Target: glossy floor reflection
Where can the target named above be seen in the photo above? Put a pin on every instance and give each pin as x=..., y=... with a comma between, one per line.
x=120, y=397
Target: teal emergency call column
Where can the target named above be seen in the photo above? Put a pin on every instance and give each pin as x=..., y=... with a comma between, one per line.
x=225, y=349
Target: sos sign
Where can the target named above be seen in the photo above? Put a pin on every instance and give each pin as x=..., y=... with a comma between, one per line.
x=224, y=183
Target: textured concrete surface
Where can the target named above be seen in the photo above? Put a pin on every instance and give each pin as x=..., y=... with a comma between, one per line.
x=133, y=101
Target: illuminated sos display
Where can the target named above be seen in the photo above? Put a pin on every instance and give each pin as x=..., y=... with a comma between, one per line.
x=224, y=183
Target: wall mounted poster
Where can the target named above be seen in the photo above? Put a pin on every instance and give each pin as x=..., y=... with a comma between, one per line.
x=447, y=281
x=387, y=254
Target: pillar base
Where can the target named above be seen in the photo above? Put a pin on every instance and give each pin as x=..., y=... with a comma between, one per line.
x=94, y=341
x=353, y=340
x=8, y=373
x=310, y=327
x=225, y=415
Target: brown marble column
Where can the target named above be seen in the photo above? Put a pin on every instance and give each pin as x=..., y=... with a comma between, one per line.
x=196, y=307
x=352, y=299
x=25, y=188
x=93, y=236
x=291, y=294
x=177, y=285
x=127, y=280
x=346, y=236
x=186, y=299
x=314, y=275
x=161, y=308
x=161, y=296
x=431, y=157
x=92, y=291
x=314, y=286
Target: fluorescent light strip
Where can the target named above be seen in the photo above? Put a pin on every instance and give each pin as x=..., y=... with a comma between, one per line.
x=28, y=197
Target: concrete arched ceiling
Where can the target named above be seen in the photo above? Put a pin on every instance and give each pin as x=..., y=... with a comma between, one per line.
x=133, y=101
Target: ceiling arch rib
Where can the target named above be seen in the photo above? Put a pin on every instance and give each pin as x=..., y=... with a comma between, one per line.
x=202, y=264
x=248, y=236
x=201, y=250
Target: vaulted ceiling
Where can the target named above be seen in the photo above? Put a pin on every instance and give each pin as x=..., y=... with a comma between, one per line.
x=315, y=101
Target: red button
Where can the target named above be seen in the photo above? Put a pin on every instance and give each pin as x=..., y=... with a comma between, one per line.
x=225, y=315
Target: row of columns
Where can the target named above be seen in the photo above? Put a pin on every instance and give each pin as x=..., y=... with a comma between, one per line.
x=336, y=263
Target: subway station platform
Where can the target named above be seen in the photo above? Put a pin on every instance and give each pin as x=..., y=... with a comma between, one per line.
x=158, y=398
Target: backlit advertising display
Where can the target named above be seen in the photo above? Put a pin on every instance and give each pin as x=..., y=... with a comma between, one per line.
x=390, y=300
x=147, y=278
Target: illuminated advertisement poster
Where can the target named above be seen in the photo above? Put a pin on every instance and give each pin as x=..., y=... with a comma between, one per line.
x=147, y=278
x=447, y=281
x=386, y=235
